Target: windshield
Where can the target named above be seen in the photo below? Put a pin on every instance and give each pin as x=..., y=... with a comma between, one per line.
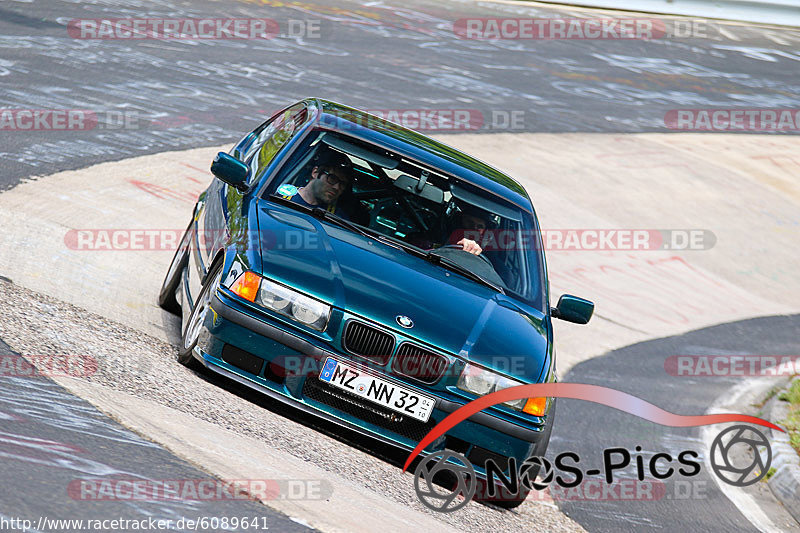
x=420, y=208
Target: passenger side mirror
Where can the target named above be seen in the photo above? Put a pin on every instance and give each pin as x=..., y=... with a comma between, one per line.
x=573, y=309
x=230, y=170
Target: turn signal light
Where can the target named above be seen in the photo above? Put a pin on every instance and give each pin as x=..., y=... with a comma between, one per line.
x=247, y=285
x=535, y=406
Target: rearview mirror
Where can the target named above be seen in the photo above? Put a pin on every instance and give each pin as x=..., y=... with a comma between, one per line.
x=573, y=309
x=230, y=170
x=420, y=188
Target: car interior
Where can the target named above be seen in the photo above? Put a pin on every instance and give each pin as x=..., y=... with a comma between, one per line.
x=401, y=200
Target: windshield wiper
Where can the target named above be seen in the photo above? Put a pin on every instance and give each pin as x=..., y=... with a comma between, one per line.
x=391, y=241
x=322, y=214
x=467, y=273
x=288, y=203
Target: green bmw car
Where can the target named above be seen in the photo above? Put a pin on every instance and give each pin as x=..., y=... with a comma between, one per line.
x=372, y=277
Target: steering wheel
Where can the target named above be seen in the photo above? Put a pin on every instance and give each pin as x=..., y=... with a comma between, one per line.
x=460, y=247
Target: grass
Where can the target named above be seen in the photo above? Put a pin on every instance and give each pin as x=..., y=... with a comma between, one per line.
x=772, y=392
x=792, y=421
x=793, y=394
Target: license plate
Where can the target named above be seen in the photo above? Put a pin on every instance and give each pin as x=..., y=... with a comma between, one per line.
x=377, y=390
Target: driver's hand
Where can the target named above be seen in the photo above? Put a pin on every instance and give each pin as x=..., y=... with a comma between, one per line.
x=470, y=246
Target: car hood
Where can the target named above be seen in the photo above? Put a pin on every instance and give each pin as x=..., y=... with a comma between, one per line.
x=380, y=282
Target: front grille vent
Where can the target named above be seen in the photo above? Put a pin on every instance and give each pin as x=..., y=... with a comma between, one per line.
x=418, y=363
x=368, y=342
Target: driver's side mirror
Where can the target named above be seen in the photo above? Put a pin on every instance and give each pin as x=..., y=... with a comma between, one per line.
x=573, y=309
x=230, y=170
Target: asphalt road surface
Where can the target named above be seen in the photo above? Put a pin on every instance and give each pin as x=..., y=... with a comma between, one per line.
x=63, y=460
x=681, y=503
x=151, y=95
x=157, y=95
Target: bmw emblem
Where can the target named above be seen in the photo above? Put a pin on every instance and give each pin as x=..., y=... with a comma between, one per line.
x=404, y=321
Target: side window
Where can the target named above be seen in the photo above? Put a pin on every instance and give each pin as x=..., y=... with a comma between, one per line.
x=274, y=136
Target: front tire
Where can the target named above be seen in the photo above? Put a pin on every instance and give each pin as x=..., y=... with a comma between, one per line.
x=166, y=296
x=541, y=450
x=194, y=325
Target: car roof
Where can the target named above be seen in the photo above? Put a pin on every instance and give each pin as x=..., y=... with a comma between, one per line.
x=415, y=145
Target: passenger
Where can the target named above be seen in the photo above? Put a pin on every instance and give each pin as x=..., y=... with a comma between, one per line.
x=330, y=177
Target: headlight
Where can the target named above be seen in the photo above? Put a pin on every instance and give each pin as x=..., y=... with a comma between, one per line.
x=481, y=382
x=291, y=303
x=283, y=300
x=310, y=311
x=477, y=380
x=274, y=296
x=504, y=383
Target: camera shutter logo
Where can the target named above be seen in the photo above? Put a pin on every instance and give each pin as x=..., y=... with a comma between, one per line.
x=736, y=454
x=440, y=498
x=534, y=467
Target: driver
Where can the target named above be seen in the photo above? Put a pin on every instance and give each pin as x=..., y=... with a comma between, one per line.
x=469, y=219
x=330, y=177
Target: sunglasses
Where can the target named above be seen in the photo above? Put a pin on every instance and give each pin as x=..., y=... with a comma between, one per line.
x=333, y=179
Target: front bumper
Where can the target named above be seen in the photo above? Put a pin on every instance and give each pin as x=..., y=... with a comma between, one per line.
x=233, y=324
